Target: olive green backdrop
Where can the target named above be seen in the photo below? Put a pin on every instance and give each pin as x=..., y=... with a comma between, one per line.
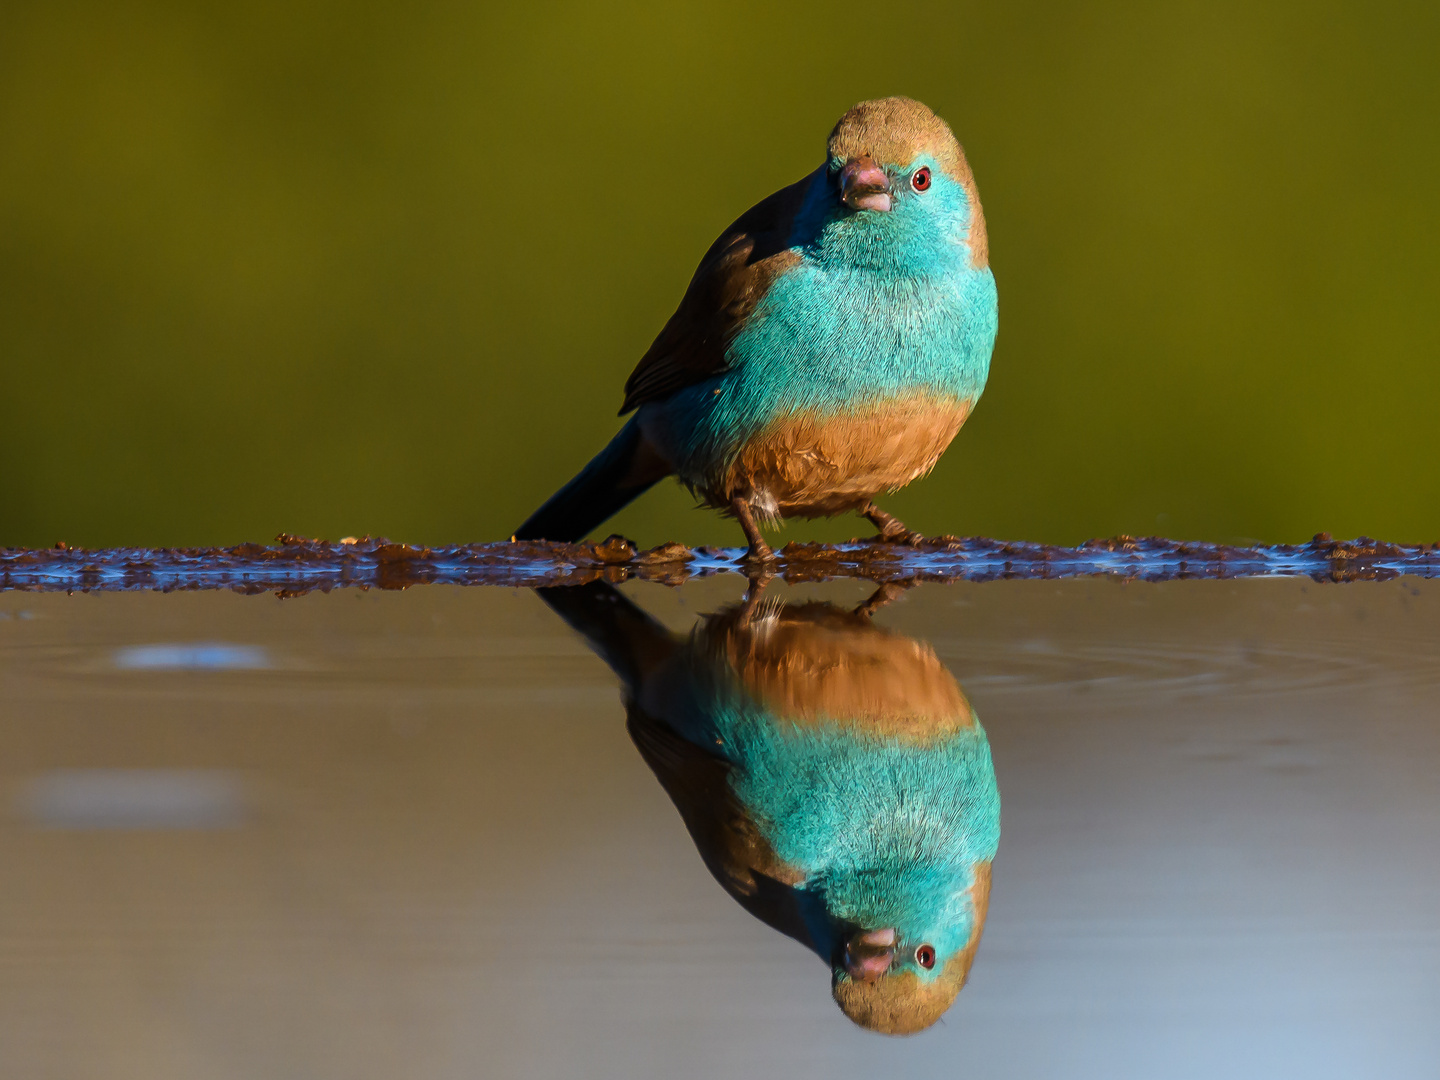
x=350, y=268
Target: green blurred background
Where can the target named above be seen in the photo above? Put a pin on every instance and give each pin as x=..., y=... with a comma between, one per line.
x=346, y=268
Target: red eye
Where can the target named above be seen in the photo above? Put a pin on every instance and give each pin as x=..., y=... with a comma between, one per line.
x=925, y=955
x=920, y=181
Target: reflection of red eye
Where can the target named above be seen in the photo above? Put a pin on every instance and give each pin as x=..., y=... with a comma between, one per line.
x=925, y=955
x=920, y=181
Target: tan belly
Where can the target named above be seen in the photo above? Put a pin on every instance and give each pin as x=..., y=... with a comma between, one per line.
x=813, y=466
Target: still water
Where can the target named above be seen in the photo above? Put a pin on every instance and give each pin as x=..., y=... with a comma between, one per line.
x=423, y=833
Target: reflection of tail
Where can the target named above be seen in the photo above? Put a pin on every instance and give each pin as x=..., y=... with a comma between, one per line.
x=626, y=638
x=622, y=471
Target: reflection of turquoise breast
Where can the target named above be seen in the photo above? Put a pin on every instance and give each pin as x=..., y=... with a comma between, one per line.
x=890, y=831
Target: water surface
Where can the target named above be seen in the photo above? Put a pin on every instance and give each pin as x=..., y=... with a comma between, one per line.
x=371, y=833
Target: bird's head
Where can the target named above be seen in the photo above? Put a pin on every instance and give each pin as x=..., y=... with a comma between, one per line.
x=899, y=980
x=895, y=173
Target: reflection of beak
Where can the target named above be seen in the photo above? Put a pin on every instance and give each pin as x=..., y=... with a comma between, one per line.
x=868, y=954
x=864, y=185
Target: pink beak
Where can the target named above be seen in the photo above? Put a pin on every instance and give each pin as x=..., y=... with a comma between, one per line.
x=864, y=185
x=868, y=955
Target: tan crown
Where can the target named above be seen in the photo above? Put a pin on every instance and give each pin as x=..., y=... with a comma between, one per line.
x=897, y=130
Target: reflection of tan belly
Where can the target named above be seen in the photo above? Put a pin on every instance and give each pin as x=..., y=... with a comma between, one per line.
x=810, y=466
x=816, y=667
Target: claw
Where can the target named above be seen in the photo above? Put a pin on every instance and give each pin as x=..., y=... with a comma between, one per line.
x=884, y=594
x=759, y=550
x=892, y=529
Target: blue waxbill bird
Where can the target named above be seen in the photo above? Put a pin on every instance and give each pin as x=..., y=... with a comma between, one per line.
x=833, y=777
x=830, y=345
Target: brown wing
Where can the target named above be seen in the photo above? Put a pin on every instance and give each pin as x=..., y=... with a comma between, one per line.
x=732, y=277
x=729, y=843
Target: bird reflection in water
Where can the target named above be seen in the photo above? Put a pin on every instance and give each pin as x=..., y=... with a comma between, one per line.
x=833, y=777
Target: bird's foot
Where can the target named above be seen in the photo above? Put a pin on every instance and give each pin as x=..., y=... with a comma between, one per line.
x=759, y=571
x=890, y=590
x=892, y=529
x=760, y=552
x=758, y=567
x=753, y=605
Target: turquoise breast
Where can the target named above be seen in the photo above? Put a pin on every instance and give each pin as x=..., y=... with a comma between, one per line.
x=888, y=832
x=830, y=338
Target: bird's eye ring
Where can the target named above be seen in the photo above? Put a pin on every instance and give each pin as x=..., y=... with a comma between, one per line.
x=925, y=955
x=920, y=179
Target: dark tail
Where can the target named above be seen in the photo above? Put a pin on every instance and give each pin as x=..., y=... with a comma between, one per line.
x=624, y=636
x=623, y=470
